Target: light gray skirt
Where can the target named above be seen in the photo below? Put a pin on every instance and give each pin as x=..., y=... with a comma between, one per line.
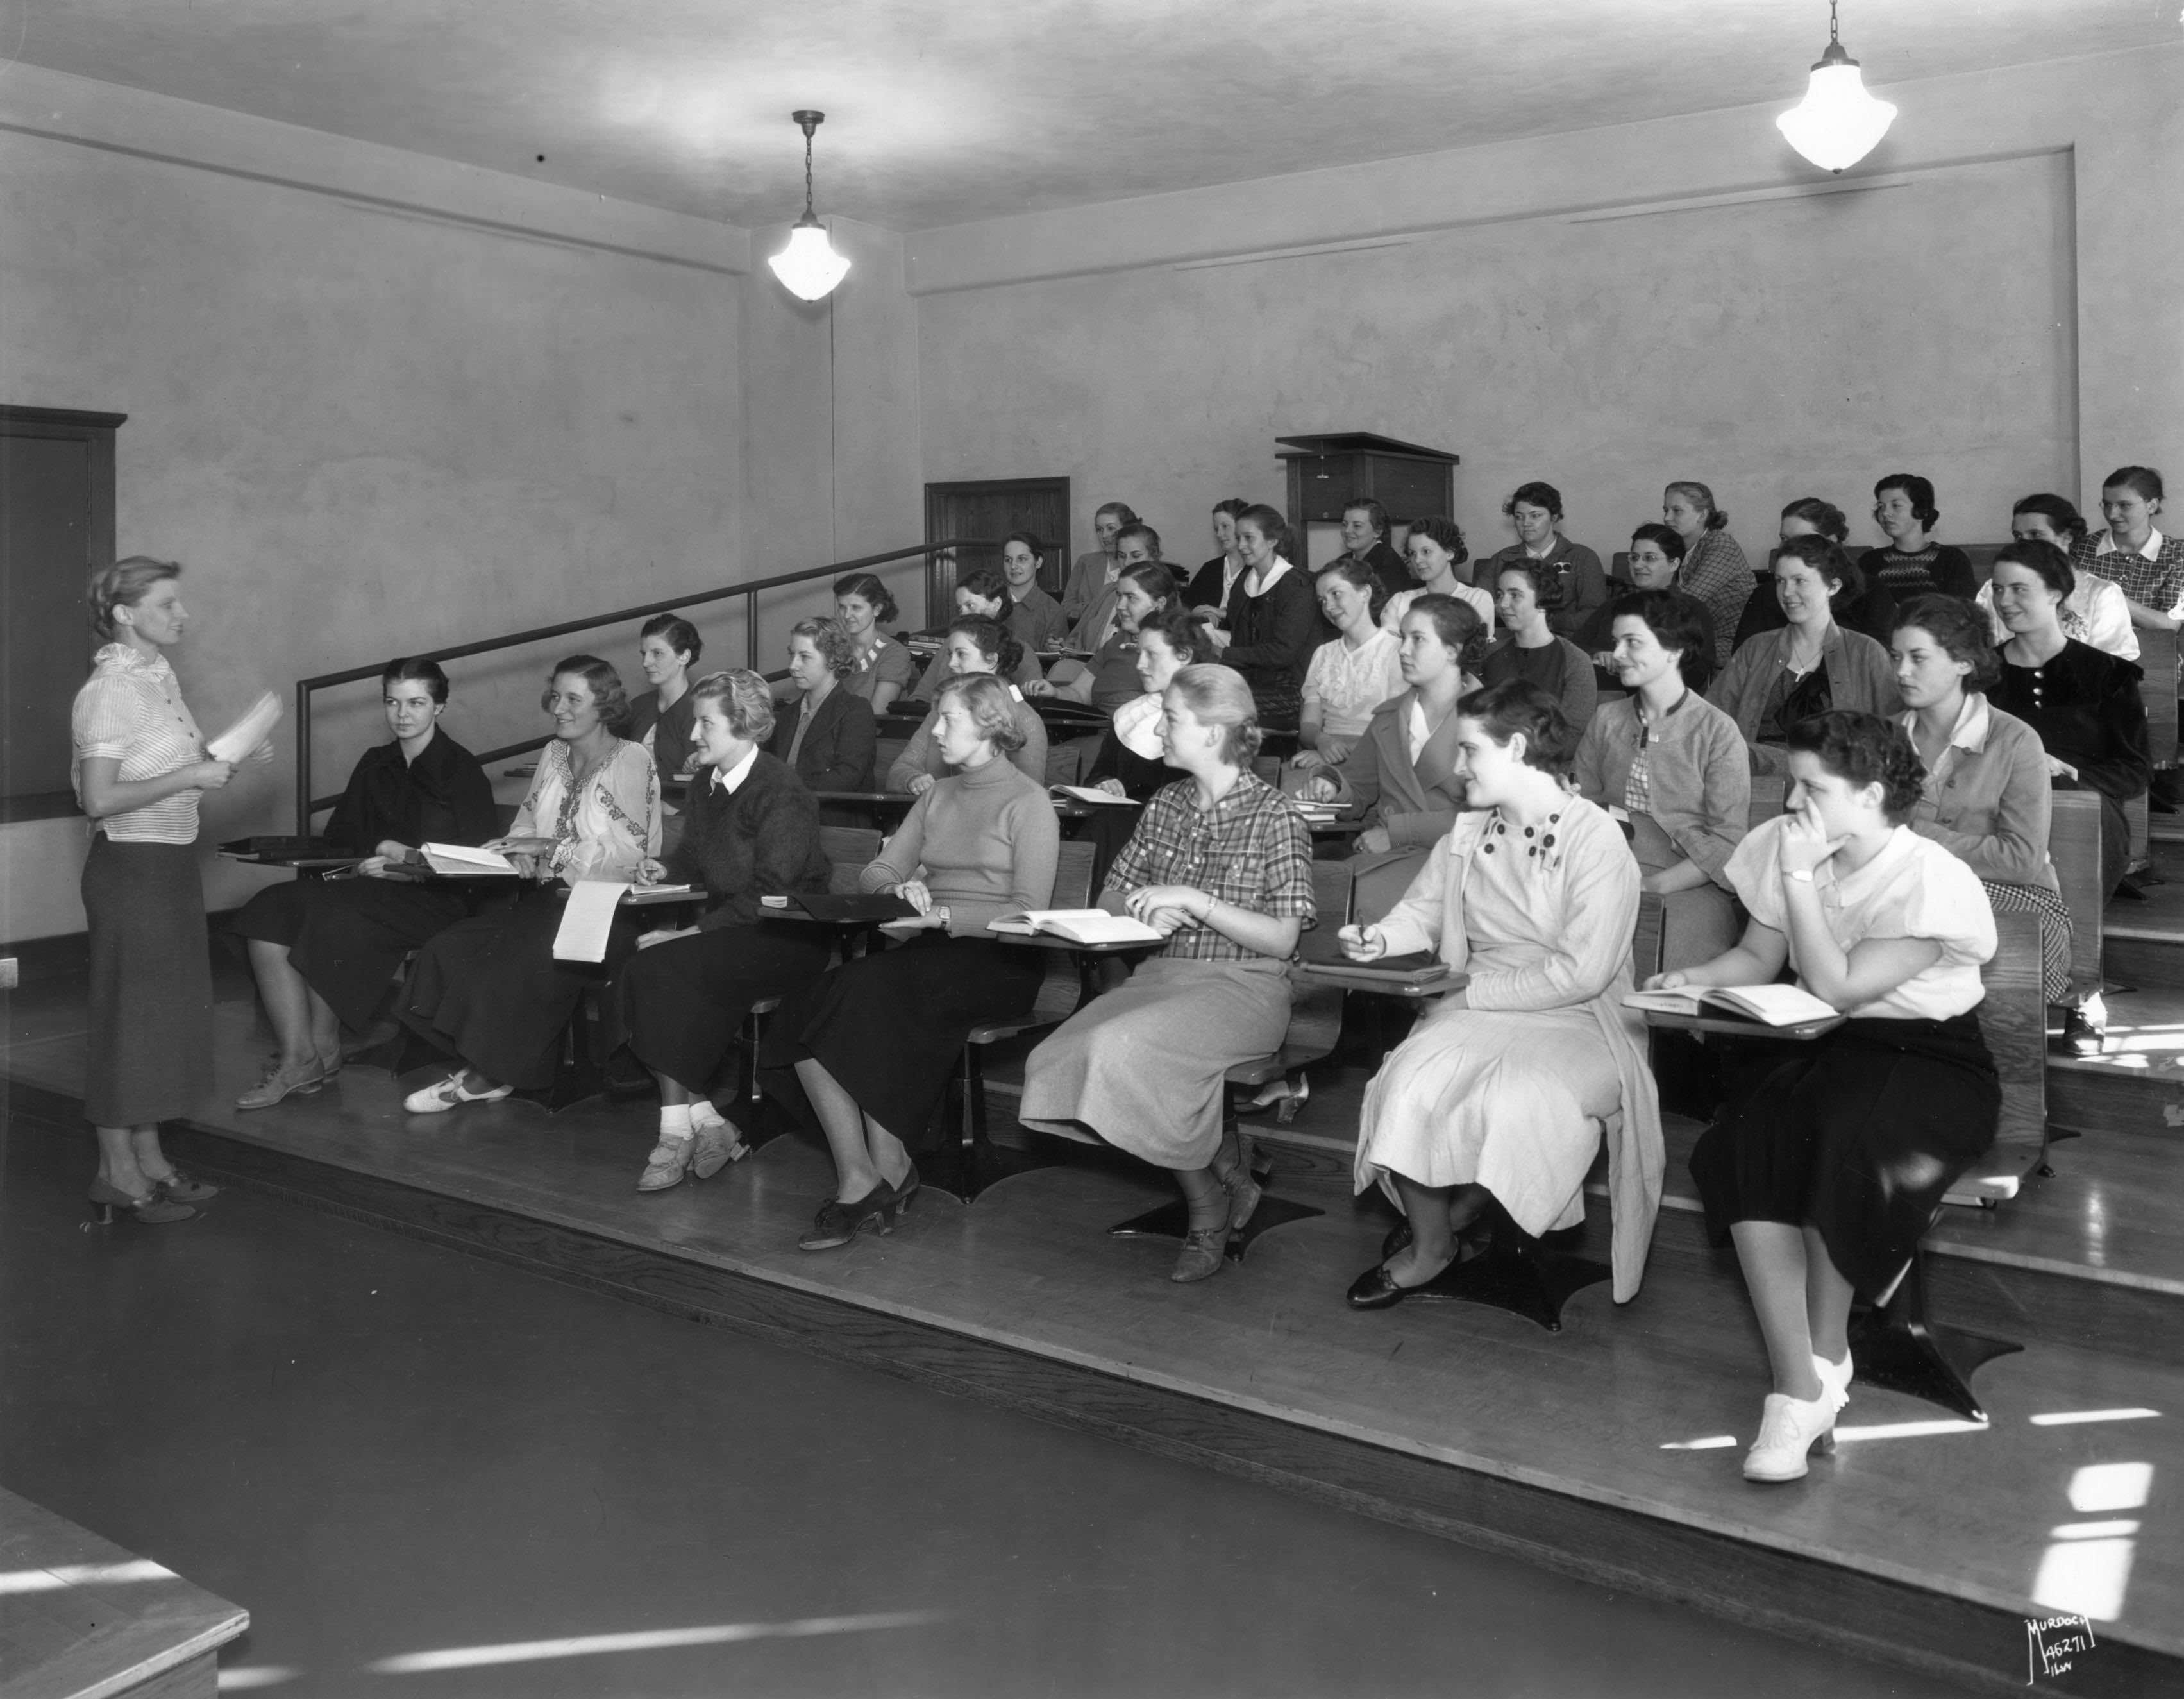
x=1141, y=1067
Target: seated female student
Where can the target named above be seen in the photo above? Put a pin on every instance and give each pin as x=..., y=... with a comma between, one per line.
x=1911, y=563
x=753, y=832
x=873, y=1043
x=1401, y=776
x=1350, y=676
x=1434, y=548
x=324, y=950
x=1715, y=569
x=1131, y=760
x=1656, y=557
x=1093, y=571
x=1985, y=798
x=1273, y=620
x=490, y=988
x=1207, y=594
x=1111, y=678
x=1136, y=543
x=824, y=732
x=1223, y=867
x=2096, y=612
x=983, y=595
x=1499, y=1095
x=1829, y=1157
x=1809, y=666
x=882, y=669
x=1034, y=618
x=1571, y=583
x=667, y=651
x=1524, y=592
x=1863, y=604
x=2148, y=565
x=975, y=645
x=2085, y=704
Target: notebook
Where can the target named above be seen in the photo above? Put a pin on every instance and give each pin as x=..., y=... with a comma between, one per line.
x=820, y=906
x=1079, y=925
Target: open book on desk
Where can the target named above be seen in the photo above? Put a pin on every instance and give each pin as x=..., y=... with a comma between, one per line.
x=1079, y=925
x=1770, y=1005
x=467, y=861
x=1092, y=793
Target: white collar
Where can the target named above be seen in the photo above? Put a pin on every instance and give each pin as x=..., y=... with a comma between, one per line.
x=734, y=778
x=1974, y=722
x=2151, y=551
x=1267, y=581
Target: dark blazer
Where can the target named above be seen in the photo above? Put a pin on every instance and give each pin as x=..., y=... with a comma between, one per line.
x=2086, y=705
x=840, y=748
x=1384, y=564
x=762, y=837
x=1204, y=589
x=443, y=796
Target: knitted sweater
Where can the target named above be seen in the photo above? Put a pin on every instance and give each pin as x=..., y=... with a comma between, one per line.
x=984, y=841
x=762, y=838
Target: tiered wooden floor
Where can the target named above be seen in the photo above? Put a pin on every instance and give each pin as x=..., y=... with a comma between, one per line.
x=1609, y=1450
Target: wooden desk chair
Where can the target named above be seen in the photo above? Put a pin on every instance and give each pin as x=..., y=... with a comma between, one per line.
x=1768, y=792
x=2157, y=659
x=850, y=850
x=2074, y=845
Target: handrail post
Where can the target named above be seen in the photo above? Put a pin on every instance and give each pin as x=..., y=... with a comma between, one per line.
x=750, y=631
x=302, y=759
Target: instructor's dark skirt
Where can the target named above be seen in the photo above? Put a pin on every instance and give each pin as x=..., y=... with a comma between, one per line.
x=347, y=938
x=683, y=1002
x=151, y=983
x=1858, y=1133
x=490, y=989
x=890, y=1025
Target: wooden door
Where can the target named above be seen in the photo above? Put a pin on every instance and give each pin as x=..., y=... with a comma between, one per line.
x=989, y=510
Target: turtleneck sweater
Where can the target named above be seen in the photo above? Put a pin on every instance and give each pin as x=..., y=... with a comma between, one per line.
x=984, y=841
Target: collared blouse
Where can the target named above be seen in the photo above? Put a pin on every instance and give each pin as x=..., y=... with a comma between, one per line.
x=1343, y=685
x=1251, y=850
x=1986, y=799
x=605, y=829
x=443, y=796
x=130, y=710
x=886, y=663
x=1697, y=775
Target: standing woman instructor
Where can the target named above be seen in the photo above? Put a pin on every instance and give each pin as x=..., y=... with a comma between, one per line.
x=139, y=766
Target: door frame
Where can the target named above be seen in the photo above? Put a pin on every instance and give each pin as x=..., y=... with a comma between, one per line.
x=940, y=573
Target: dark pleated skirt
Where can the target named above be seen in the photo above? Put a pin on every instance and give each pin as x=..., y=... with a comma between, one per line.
x=348, y=939
x=682, y=1002
x=1858, y=1134
x=150, y=1054
x=490, y=990
x=890, y=1025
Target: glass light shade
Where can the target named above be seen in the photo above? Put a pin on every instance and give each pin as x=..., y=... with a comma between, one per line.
x=1838, y=123
x=809, y=267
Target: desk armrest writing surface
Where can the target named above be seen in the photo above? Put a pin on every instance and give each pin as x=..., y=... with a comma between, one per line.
x=1054, y=941
x=1730, y=1026
x=1365, y=976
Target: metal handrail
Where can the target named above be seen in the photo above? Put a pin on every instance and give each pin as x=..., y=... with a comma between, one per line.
x=308, y=805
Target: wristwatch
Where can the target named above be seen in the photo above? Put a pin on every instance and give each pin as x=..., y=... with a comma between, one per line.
x=1803, y=876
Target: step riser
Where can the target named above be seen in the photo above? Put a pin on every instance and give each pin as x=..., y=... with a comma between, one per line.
x=2106, y=1100
x=2143, y=961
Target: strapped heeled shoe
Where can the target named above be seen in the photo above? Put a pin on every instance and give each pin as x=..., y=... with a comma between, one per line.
x=838, y=1223
x=1789, y=1428
x=719, y=1143
x=669, y=1159
x=437, y=1099
x=179, y=1187
x=151, y=1209
x=1835, y=1378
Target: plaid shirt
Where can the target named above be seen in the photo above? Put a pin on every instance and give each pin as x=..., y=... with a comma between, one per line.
x=1250, y=849
x=2158, y=584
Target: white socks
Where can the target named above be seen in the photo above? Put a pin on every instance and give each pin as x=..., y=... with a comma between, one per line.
x=703, y=1113
x=675, y=1120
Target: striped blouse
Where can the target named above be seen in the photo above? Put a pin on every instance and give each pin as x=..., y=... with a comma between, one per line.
x=130, y=710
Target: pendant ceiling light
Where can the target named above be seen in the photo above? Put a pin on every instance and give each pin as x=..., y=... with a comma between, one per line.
x=809, y=266
x=1838, y=123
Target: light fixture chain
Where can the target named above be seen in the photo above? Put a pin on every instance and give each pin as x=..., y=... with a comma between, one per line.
x=808, y=213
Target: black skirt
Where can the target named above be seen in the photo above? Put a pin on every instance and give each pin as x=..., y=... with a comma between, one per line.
x=1858, y=1133
x=683, y=1000
x=347, y=938
x=890, y=1025
x=491, y=990
x=150, y=1014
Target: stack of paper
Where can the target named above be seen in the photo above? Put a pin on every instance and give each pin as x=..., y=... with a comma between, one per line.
x=256, y=724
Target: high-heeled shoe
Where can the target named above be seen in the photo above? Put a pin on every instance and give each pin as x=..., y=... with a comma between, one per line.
x=1204, y=1250
x=179, y=1187
x=151, y=1209
x=906, y=1188
x=1835, y=1378
x=1232, y=1167
x=438, y=1099
x=1789, y=1428
x=838, y=1221
x=719, y=1143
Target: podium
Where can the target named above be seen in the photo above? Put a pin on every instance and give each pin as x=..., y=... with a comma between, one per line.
x=1327, y=472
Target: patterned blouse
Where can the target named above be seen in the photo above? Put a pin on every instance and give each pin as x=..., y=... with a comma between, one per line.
x=2153, y=577
x=886, y=663
x=130, y=710
x=1715, y=571
x=1343, y=685
x=1250, y=849
x=602, y=831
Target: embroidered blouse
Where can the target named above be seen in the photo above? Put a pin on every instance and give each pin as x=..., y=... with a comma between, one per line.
x=1343, y=685
x=130, y=710
x=602, y=831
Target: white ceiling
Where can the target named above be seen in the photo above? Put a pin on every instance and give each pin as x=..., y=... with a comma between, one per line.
x=943, y=111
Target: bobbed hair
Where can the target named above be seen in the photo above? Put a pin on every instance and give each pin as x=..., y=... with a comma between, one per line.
x=1535, y=494
x=872, y=591
x=1823, y=516
x=1155, y=579
x=993, y=640
x=1699, y=496
x=1920, y=490
x=1546, y=583
x=992, y=710
x=2040, y=555
x=1218, y=695
x=1825, y=556
x=1665, y=538
x=1124, y=513
x=1963, y=631
x=1234, y=507
x=1444, y=531
x=1458, y=625
x=1376, y=514
x=2061, y=514
x=987, y=583
x=2143, y=479
x=1358, y=576
x=1673, y=619
x=834, y=644
x=1270, y=524
x=404, y=669
x=1144, y=534
x=1865, y=749
x=606, y=687
x=125, y=584
x=743, y=697
x=1029, y=539
x=1184, y=636
x=1519, y=705
x=681, y=636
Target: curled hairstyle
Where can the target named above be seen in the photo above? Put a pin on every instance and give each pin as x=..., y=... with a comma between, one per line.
x=1665, y=538
x=681, y=636
x=1269, y=524
x=1376, y=515
x=1700, y=496
x=1673, y=619
x=1825, y=555
x=1865, y=749
x=1519, y=705
x=1124, y=513
x=1546, y=583
x=1536, y=495
x=872, y=591
x=1457, y=624
x=404, y=669
x=2042, y=557
x=1920, y=492
x=1234, y=507
x=2062, y=516
x=987, y=584
x=1217, y=695
x=1963, y=631
x=606, y=687
x=831, y=641
x=125, y=584
x=1154, y=578
x=1029, y=540
x=744, y=699
x=1823, y=516
x=1446, y=533
x=1184, y=636
x=986, y=700
x=1358, y=576
x=2143, y=479
x=993, y=640
x=1144, y=534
